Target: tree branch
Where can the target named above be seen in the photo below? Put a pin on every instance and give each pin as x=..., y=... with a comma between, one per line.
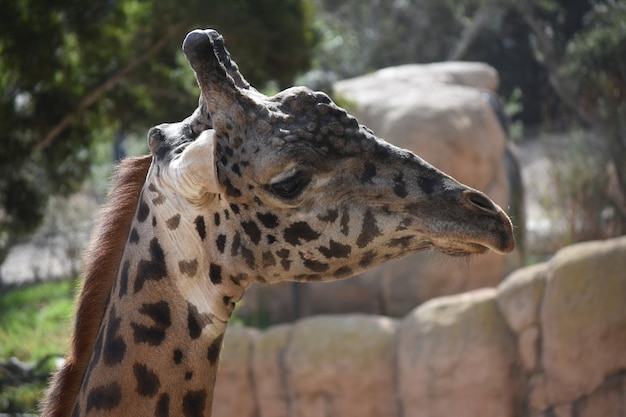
x=548, y=59
x=483, y=15
x=102, y=89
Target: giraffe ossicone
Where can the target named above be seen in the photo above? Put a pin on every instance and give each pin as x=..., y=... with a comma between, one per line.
x=248, y=189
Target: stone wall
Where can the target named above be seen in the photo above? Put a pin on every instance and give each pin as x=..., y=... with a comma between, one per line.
x=549, y=341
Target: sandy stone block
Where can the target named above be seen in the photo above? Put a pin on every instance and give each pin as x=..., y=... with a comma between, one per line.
x=520, y=294
x=583, y=318
x=234, y=392
x=528, y=348
x=269, y=373
x=341, y=366
x=456, y=357
x=608, y=401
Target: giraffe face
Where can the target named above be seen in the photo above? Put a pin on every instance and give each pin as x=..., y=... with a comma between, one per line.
x=310, y=193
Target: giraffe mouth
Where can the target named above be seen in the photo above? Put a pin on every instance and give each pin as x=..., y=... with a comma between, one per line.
x=459, y=249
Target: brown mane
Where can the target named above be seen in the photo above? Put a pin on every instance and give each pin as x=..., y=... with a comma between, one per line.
x=102, y=259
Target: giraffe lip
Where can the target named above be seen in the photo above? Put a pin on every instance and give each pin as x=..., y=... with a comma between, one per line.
x=464, y=249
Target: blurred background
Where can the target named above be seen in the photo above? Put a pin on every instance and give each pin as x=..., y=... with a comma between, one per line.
x=81, y=82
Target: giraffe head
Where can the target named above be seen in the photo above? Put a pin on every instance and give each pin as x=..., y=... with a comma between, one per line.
x=299, y=190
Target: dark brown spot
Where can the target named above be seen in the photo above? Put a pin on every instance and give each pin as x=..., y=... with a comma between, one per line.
x=248, y=257
x=159, y=312
x=404, y=224
x=403, y=242
x=193, y=403
x=215, y=273
x=124, y=279
x=335, y=250
x=268, y=259
x=231, y=191
x=134, y=236
x=429, y=182
x=154, y=269
x=114, y=345
x=173, y=222
x=367, y=259
x=189, y=268
x=163, y=406
x=153, y=336
x=308, y=277
x=104, y=397
x=159, y=199
x=329, y=217
x=300, y=231
x=142, y=211
x=216, y=219
x=369, y=230
x=268, y=220
x=213, y=352
x=228, y=301
x=200, y=227
x=345, y=222
x=369, y=172
x=196, y=321
x=252, y=230
x=315, y=266
x=343, y=272
x=220, y=242
x=147, y=381
x=177, y=356
x=234, y=247
x=236, y=279
x=188, y=375
x=399, y=186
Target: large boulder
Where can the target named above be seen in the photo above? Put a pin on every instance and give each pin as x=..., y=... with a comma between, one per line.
x=583, y=319
x=440, y=112
x=341, y=366
x=234, y=390
x=457, y=357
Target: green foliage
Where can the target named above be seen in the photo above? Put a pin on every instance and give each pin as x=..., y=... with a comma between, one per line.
x=114, y=66
x=595, y=61
x=36, y=321
x=35, y=328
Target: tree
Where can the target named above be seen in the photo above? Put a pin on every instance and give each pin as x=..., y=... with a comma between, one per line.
x=71, y=68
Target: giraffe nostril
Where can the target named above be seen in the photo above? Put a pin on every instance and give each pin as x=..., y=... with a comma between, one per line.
x=479, y=200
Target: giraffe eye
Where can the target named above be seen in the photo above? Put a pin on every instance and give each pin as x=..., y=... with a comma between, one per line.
x=292, y=186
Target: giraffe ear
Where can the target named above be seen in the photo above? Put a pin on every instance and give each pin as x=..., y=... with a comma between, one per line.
x=194, y=172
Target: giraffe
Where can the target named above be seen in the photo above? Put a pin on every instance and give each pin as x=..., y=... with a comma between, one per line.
x=248, y=189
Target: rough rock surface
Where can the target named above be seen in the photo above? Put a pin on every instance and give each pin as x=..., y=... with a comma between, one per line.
x=439, y=112
x=549, y=341
x=453, y=350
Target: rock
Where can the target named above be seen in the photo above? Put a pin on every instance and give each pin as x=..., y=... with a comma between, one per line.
x=607, y=401
x=456, y=357
x=519, y=296
x=234, y=391
x=269, y=373
x=341, y=366
x=583, y=318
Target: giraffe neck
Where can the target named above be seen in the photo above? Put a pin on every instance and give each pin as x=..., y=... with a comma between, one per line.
x=159, y=342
